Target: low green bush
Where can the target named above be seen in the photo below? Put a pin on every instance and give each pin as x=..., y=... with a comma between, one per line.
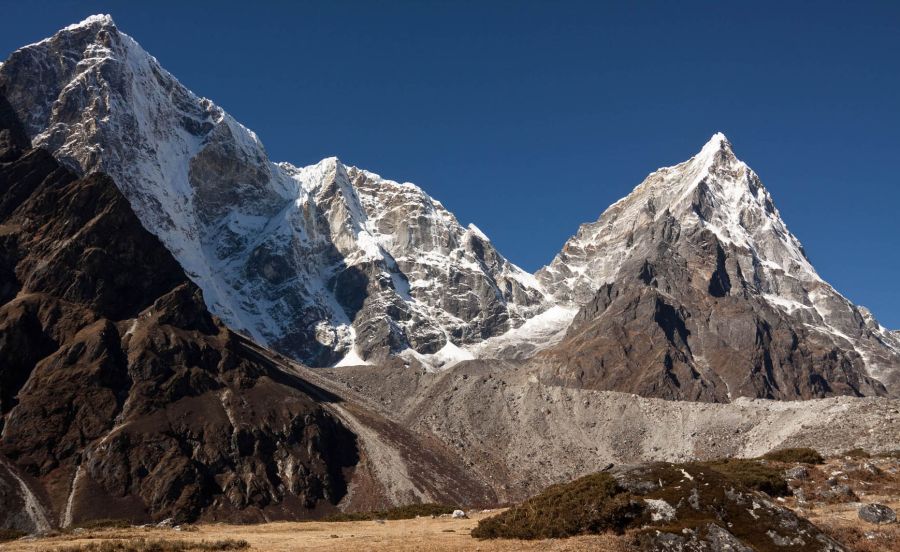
x=857, y=453
x=104, y=524
x=11, y=534
x=591, y=504
x=752, y=475
x=409, y=511
x=802, y=455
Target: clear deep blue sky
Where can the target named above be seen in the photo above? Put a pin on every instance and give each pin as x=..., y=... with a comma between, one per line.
x=529, y=118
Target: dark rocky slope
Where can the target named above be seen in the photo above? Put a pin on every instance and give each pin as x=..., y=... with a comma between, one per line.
x=662, y=331
x=120, y=395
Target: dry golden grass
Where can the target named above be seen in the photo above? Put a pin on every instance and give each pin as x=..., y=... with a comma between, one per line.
x=841, y=522
x=434, y=535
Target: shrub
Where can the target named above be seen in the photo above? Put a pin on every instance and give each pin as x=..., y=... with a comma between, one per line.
x=11, y=534
x=752, y=475
x=157, y=545
x=857, y=453
x=889, y=454
x=861, y=539
x=104, y=524
x=802, y=455
x=591, y=504
x=409, y=511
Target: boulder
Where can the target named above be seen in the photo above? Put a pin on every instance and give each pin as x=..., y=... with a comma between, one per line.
x=877, y=513
x=839, y=492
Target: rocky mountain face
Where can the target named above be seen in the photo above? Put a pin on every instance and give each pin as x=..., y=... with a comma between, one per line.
x=323, y=263
x=120, y=395
x=693, y=288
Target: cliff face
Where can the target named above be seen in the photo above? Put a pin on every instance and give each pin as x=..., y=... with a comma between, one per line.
x=120, y=395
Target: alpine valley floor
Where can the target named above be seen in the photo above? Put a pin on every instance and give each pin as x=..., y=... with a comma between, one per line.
x=837, y=517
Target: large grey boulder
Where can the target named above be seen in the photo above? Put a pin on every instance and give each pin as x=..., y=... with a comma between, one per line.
x=877, y=513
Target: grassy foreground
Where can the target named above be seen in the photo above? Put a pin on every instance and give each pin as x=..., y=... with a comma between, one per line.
x=156, y=545
x=441, y=534
x=826, y=494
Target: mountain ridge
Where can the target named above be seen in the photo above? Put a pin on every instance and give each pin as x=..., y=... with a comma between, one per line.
x=335, y=265
x=204, y=184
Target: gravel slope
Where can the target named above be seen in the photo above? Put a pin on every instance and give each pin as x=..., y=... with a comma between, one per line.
x=519, y=434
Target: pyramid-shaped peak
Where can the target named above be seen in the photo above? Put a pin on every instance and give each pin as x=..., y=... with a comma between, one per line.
x=98, y=20
x=718, y=142
x=331, y=162
x=719, y=137
x=717, y=152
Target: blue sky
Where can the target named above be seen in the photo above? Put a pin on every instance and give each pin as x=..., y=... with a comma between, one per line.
x=529, y=118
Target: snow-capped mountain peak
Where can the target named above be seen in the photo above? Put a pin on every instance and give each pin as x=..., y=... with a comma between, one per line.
x=713, y=190
x=711, y=214
x=330, y=262
x=318, y=262
x=718, y=146
x=102, y=19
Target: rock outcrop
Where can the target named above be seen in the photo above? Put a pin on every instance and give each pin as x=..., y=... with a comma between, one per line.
x=120, y=395
x=705, y=507
x=877, y=514
x=700, y=507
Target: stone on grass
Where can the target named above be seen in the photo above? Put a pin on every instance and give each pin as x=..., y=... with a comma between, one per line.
x=877, y=513
x=798, y=472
